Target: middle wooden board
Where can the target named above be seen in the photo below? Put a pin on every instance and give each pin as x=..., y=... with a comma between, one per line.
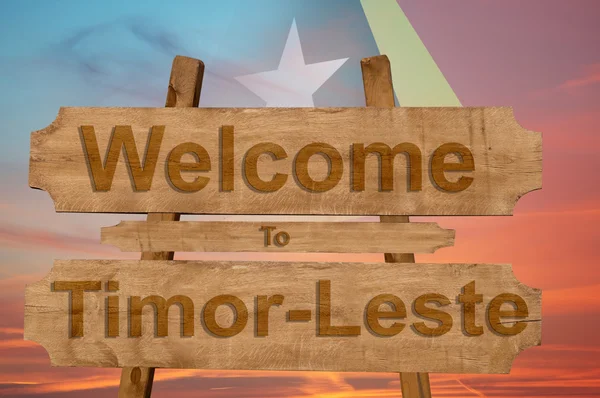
x=360, y=317
x=331, y=237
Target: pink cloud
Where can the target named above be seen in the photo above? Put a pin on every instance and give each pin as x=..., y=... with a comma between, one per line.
x=590, y=76
x=15, y=236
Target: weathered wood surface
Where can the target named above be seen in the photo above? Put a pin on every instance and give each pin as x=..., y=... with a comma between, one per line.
x=325, y=237
x=507, y=161
x=288, y=345
x=185, y=84
x=379, y=92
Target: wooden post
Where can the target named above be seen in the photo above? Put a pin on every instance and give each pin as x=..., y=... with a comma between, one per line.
x=379, y=91
x=184, y=89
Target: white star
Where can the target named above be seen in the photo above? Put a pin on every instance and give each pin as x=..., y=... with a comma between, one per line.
x=293, y=83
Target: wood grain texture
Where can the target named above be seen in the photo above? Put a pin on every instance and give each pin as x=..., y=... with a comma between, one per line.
x=185, y=84
x=379, y=92
x=507, y=160
x=288, y=345
x=326, y=237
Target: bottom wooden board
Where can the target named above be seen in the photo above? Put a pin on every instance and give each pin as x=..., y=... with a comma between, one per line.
x=359, y=317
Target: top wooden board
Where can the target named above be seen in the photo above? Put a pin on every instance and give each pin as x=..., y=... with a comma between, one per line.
x=346, y=161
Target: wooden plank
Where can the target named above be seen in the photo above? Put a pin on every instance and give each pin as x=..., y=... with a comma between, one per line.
x=379, y=92
x=325, y=237
x=346, y=334
x=507, y=161
x=185, y=84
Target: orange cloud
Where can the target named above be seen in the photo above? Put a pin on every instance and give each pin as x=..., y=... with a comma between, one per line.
x=578, y=300
x=17, y=331
x=16, y=343
x=535, y=374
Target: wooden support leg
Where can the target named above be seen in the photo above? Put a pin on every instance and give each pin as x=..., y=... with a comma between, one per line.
x=379, y=91
x=185, y=85
x=415, y=385
x=136, y=382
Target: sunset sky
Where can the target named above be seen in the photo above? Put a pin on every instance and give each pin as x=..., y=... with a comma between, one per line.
x=539, y=56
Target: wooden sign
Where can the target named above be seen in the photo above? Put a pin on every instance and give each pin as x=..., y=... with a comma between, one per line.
x=345, y=161
x=373, y=317
x=330, y=237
